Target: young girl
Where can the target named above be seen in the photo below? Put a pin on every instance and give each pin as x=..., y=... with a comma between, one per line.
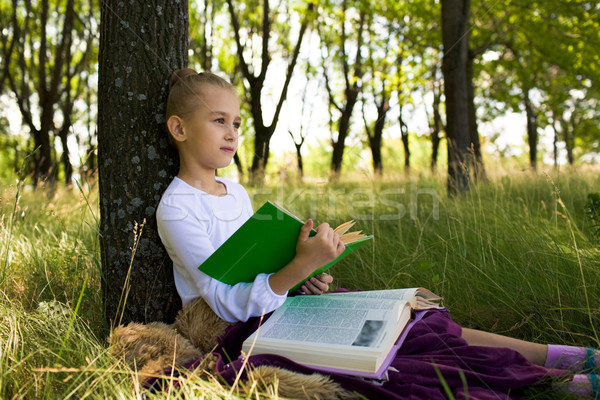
x=199, y=211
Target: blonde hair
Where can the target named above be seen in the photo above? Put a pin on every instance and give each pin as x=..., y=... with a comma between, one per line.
x=186, y=91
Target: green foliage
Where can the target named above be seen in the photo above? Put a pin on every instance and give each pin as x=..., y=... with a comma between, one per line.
x=511, y=257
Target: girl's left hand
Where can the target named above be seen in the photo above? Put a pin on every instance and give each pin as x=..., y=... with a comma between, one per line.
x=318, y=284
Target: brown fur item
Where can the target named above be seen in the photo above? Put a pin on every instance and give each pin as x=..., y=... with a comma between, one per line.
x=153, y=347
x=200, y=325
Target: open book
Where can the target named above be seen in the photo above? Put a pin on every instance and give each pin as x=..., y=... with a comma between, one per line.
x=354, y=333
x=265, y=243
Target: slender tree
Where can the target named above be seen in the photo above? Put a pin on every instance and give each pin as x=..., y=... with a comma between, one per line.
x=352, y=70
x=377, y=87
x=435, y=121
x=302, y=130
x=255, y=78
x=8, y=37
x=139, y=48
x=455, y=16
x=49, y=67
x=203, y=33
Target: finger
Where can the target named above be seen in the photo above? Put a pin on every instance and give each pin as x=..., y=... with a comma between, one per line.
x=323, y=228
x=305, y=230
x=319, y=285
x=312, y=287
x=340, y=247
x=307, y=290
x=325, y=278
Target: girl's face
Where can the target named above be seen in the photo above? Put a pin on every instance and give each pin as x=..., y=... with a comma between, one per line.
x=210, y=132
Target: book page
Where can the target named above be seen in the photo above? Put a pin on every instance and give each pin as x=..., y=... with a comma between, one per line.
x=395, y=294
x=318, y=319
x=419, y=298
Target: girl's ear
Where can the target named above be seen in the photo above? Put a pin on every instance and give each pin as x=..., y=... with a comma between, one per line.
x=175, y=125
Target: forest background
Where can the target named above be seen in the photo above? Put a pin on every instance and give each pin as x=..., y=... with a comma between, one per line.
x=516, y=252
x=342, y=86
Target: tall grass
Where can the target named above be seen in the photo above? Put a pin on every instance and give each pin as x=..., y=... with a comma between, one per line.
x=515, y=255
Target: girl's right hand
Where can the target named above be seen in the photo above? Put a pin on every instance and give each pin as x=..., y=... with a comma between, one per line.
x=319, y=249
x=312, y=252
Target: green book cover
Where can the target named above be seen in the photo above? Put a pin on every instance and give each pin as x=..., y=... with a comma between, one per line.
x=265, y=243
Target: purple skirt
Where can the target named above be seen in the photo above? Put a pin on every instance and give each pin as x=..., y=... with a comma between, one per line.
x=432, y=359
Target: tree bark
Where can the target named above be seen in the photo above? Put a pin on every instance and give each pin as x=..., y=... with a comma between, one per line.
x=299, y=161
x=375, y=135
x=339, y=144
x=405, y=144
x=569, y=137
x=140, y=45
x=65, y=160
x=436, y=125
x=455, y=15
x=532, y=134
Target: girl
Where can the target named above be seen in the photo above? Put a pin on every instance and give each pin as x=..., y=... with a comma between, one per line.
x=199, y=211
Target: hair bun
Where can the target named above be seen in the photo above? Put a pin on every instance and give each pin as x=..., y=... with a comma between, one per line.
x=180, y=74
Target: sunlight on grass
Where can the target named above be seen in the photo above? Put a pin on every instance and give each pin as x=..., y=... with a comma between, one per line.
x=515, y=255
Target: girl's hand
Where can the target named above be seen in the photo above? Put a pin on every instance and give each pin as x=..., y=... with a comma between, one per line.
x=318, y=250
x=312, y=252
x=318, y=284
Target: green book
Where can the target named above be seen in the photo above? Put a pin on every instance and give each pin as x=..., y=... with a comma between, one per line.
x=265, y=243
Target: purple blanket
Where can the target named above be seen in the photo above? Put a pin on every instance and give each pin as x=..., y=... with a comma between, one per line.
x=432, y=348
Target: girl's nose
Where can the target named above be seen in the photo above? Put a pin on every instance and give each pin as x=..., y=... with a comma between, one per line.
x=232, y=134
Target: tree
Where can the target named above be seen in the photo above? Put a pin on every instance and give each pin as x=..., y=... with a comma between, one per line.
x=140, y=45
x=8, y=37
x=203, y=33
x=336, y=46
x=419, y=26
x=302, y=131
x=255, y=76
x=455, y=17
x=46, y=86
x=379, y=68
x=531, y=42
x=435, y=119
x=571, y=109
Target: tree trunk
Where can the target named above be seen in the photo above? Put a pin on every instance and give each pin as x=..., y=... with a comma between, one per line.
x=404, y=135
x=238, y=165
x=65, y=160
x=300, y=163
x=569, y=138
x=262, y=138
x=140, y=46
x=352, y=88
x=532, y=135
x=555, y=146
x=343, y=129
x=436, y=126
x=455, y=15
x=375, y=145
x=474, y=142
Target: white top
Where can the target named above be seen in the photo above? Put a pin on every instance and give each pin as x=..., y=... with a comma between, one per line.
x=192, y=224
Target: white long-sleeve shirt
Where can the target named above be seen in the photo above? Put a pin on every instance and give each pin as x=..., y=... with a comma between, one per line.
x=192, y=224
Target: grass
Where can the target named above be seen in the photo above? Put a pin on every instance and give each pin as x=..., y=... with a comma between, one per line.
x=515, y=256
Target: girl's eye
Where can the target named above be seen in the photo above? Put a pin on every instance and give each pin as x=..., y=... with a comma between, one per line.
x=220, y=120
x=236, y=125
